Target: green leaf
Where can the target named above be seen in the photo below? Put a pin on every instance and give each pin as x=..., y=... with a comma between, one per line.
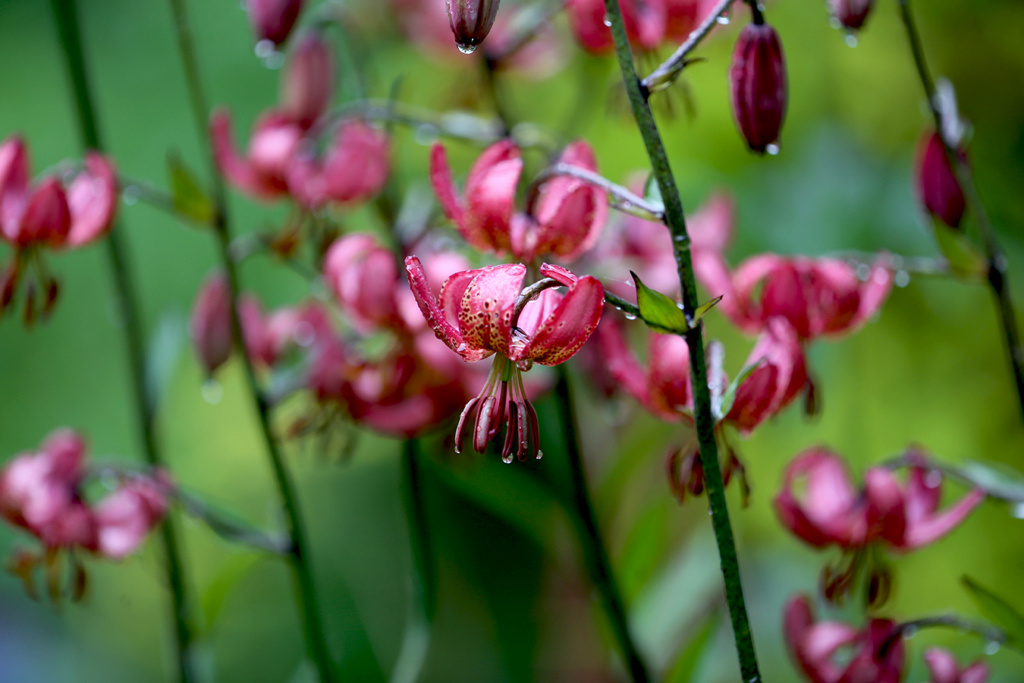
x=231, y=573
x=652, y=191
x=703, y=309
x=729, y=397
x=964, y=258
x=657, y=310
x=644, y=548
x=187, y=195
x=163, y=352
x=996, y=479
x=998, y=611
x=685, y=666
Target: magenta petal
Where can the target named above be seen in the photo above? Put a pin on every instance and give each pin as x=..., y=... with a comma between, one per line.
x=975, y=673
x=829, y=512
x=485, y=314
x=710, y=228
x=556, y=272
x=922, y=532
x=237, y=170
x=941, y=665
x=886, y=507
x=13, y=186
x=92, y=199
x=622, y=364
x=47, y=217
x=669, y=374
x=444, y=187
x=571, y=229
x=357, y=165
x=565, y=331
x=444, y=330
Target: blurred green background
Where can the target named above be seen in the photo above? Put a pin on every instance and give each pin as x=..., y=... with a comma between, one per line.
x=514, y=603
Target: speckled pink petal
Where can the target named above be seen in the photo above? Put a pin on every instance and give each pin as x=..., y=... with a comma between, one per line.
x=485, y=316
x=569, y=326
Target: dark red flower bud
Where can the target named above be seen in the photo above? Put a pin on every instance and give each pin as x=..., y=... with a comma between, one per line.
x=759, y=92
x=851, y=14
x=273, y=19
x=308, y=83
x=471, y=21
x=937, y=185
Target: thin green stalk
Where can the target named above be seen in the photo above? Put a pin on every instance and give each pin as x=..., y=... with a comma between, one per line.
x=66, y=15
x=416, y=643
x=594, y=553
x=996, y=259
x=298, y=551
x=676, y=221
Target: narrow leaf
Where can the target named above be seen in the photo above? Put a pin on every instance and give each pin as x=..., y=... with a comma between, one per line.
x=652, y=191
x=704, y=308
x=729, y=397
x=998, y=611
x=162, y=354
x=187, y=195
x=685, y=666
x=657, y=310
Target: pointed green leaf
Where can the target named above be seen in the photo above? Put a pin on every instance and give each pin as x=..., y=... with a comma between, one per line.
x=187, y=195
x=998, y=611
x=729, y=397
x=704, y=308
x=657, y=310
x=963, y=257
x=652, y=191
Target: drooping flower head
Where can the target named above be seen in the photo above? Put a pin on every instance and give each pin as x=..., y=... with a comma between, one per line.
x=487, y=312
x=759, y=91
x=51, y=214
x=883, y=514
x=937, y=186
x=568, y=213
x=876, y=652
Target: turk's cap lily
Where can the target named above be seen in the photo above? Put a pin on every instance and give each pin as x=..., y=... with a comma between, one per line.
x=363, y=276
x=817, y=296
x=877, y=649
x=354, y=168
x=568, y=213
x=307, y=85
x=263, y=172
x=210, y=325
x=52, y=214
x=942, y=668
x=476, y=310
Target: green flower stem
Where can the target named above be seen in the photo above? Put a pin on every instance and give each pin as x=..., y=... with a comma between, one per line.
x=66, y=15
x=997, y=263
x=298, y=551
x=705, y=422
x=416, y=642
x=589, y=535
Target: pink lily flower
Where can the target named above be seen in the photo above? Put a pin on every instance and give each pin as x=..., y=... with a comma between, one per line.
x=263, y=172
x=646, y=22
x=483, y=312
x=307, y=85
x=125, y=517
x=877, y=650
x=942, y=668
x=210, y=325
x=568, y=217
x=364, y=278
x=355, y=167
x=817, y=296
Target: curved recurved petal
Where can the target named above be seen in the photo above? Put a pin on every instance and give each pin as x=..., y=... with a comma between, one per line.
x=14, y=175
x=431, y=311
x=491, y=195
x=485, y=315
x=444, y=186
x=239, y=172
x=572, y=227
x=357, y=165
x=829, y=511
x=569, y=326
x=669, y=359
x=622, y=364
x=887, y=517
x=921, y=532
x=748, y=275
x=92, y=199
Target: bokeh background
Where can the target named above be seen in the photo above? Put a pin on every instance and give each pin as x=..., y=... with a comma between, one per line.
x=514, y=602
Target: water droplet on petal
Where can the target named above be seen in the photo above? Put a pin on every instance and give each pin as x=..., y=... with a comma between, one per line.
x=467, y=49
x=851, y=40
x=212, y=391
x=723, y=18
x=772, y=149
x=607, y=21
x=630, y=316
x=264, y=49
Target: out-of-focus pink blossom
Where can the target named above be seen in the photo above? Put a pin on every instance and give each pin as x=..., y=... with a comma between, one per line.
x=273, y=19
x=210, y=326
x=645, y=20
x=51, y=214
x=307, y=85
x=851, y=14
x=569, y=214
x=269, y=337
x=263, y=173
x=477, y=315
x=758, y=86
x=817, y=296
x=877, y=652
x=354, y=168
x=942, y=668
x=364, y=278
x=125, y=517
x=937, y=185
x=832, y=512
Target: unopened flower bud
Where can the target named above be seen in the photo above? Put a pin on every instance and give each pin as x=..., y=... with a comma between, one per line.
x=211, y=323
x=471, y=21
x=308, y=82
x=758, y=81
x=273, y=19
x=937, y=185
x=851, y=14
